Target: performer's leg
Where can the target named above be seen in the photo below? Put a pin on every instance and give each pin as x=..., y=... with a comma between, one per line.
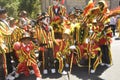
x=108, y=56
x=94, y=63
x=60, y=65
x=26, y=71
x=46, y=62
x=2, y=73
x=36, y=70
x=9, y=64
x=51, y=60
x=113, y=29
x=60, y=59
x=15, y=58
x=105, y=54
x=46, y=59
x=51, y=57
x=97, y=61
x=22, y=67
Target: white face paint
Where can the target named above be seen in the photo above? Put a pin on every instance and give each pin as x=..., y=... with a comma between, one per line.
x=55, y=2
x=46, y=21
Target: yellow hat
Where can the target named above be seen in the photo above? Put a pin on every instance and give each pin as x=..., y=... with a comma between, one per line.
x=102, y=2
x=66, y=34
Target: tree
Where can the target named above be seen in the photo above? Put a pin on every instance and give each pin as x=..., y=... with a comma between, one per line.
x=31, y=6
x=15, y=6
x=11, y=6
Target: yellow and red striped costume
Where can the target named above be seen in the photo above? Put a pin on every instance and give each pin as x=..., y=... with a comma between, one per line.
x=6, y=32
x=17, y=34
x=60, y=51
x=26, y=56
x=61, y=11
x=105, y=40
x=45, y=37
x=2, y=53
x=5, y=42
x=92, y=51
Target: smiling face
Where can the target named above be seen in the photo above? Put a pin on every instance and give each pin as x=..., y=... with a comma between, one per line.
x=55, y=2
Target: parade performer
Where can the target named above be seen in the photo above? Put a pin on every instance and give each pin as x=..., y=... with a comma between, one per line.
x=45, y=37
x=25, y=50
x=83, y=33
x=105, y=43
x=12, y=60
x=61, y=51
x=17, y=33
x=3, y=66
x=113, y=24
x=97, y=12
x=3, y=48
x=24, y=21
x=78, y=13
x=58, y=27
x=56, y=10
x=86, y=17
x=92, y=53
x=74, y=26
x=6, y=32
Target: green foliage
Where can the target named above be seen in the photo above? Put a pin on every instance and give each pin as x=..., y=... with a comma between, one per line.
x=11, y=6
x=15, y=6
x=31, y=6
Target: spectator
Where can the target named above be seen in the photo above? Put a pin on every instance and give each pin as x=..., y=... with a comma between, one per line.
x=113, y=24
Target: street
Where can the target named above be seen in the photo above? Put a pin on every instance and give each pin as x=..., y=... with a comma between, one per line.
x=81, y=73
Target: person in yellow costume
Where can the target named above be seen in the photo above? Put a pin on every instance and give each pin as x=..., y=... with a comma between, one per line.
x=105, y=44
x=3, y=66
x=56, y=10
x=74, y=26
x=97, y=12
x=45, y=37
x=63, y=50
x=5, y=33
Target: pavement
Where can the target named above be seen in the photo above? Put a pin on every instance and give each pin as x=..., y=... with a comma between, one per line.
x=81, y=73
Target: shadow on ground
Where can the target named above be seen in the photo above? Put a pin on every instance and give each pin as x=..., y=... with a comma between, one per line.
x=83, y=73
x=80, y=72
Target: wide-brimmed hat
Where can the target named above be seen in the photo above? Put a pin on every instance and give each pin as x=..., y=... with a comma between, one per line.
x=26, y=36
x=102, y=2
x=67, y=34
x=43, y=15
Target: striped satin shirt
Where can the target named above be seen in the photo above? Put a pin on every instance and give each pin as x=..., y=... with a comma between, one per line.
x=45, y=37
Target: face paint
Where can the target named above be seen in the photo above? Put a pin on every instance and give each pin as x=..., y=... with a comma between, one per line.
x=46, y=21
x=55, y=2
